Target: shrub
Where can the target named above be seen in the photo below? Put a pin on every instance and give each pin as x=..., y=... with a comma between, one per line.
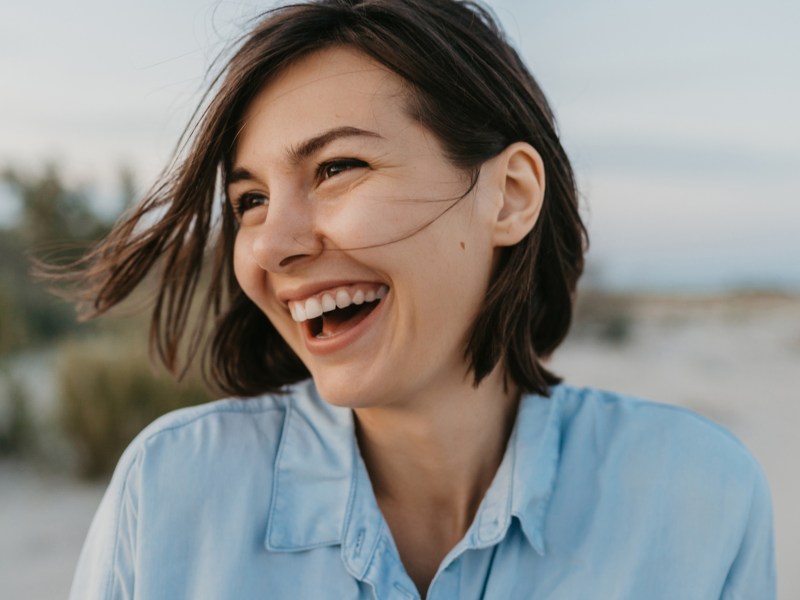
x=604, y=316
x=108, y=392
x=16, y=426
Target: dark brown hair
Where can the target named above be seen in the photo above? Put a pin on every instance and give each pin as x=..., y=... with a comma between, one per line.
x=469, y=87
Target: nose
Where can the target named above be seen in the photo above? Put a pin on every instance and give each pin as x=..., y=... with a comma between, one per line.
x=287, y=235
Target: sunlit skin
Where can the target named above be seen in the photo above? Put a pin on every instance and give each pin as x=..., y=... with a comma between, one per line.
x=335, y=182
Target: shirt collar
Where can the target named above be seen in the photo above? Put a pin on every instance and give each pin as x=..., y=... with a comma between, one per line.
x=313, y=473
x=321, y=494
x=536, y=450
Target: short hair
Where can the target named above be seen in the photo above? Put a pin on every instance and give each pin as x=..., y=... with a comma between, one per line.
x=468, y=86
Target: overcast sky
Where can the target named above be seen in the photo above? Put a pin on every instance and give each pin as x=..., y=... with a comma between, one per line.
x=681, y=117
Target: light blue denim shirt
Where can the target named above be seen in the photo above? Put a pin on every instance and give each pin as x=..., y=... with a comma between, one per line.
x=597, y=497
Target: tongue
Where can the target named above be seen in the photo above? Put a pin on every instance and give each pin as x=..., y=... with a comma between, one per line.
x=340, y=320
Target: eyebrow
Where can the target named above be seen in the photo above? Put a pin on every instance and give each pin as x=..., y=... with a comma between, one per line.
x=308, y=147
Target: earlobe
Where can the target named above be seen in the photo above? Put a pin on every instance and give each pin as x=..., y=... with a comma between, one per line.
x=522, y=182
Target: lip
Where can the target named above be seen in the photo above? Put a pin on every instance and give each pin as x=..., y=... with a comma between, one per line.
x=323, y=347
x=311, y=289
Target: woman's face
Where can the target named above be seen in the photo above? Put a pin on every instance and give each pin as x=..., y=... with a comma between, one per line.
x=348, y=206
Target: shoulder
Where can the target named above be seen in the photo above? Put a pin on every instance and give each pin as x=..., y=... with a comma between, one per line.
x=665, y=475
x=680, y=461
x=222, y=422
x=657, y=432
x=181, y=470
x=212, y=437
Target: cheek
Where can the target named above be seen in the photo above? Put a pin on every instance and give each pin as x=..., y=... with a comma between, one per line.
x=367, y=220
x=253, y=280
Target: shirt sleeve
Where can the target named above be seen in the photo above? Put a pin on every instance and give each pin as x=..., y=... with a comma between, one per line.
x=752, y=574
x=106, y=566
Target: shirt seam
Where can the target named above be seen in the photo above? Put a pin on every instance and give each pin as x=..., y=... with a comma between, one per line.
x=742, y=538
x=209, y=412
x=118, y=520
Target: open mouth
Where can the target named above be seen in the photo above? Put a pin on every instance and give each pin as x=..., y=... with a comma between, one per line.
x=336, y=311
x=339, y=320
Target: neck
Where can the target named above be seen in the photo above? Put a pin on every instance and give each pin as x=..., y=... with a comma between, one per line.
x=436, y=454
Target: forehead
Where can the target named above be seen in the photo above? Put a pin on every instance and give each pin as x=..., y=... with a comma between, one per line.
x=335, y=87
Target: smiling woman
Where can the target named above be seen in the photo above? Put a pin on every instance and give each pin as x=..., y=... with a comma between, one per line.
x=397, y=252
x=359, y=211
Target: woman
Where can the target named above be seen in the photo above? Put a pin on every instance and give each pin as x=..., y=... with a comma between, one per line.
x=398, y=221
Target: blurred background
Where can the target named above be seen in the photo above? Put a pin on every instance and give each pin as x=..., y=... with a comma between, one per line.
x=681, y=120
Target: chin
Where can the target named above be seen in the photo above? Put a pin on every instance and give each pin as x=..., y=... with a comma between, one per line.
x=339, y=390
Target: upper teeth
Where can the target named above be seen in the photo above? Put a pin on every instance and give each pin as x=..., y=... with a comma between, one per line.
x=313, y=307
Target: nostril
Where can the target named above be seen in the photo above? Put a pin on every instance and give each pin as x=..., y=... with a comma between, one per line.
x=290, y=259
x=277, y=250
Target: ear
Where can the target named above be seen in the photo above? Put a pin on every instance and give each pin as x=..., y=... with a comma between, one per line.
x=519, y=171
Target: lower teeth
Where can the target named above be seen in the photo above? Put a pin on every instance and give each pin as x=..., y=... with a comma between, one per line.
x=338, y=321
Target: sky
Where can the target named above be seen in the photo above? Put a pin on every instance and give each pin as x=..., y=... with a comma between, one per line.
x=680, y=117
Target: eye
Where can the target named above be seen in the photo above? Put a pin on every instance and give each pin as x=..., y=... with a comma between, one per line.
x=331, y=168
x=247, y=201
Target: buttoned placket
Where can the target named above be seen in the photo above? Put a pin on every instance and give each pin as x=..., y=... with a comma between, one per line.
x=368, y=550
x=371, y=554
x=521, y=488
x=488, y=529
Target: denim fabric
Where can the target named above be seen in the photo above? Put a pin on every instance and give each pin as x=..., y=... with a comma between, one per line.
x=598, y=496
